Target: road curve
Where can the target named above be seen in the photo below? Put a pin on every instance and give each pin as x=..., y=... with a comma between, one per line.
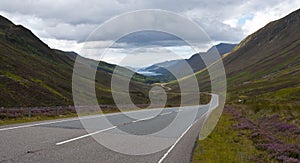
x=122, y=138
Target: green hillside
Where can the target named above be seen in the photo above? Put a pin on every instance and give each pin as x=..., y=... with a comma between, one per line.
x=260, y=122
x=32, y=74
x=264, y=67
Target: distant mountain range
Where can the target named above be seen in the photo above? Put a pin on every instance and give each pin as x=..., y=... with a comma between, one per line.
x=32, y=74
x=264, y=67
x=179, y=67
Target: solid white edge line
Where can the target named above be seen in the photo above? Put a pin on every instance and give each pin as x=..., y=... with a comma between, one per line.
x=72, y=119
x=36, y=124
x=181, y=136
x=173, y=146
x=83, y=136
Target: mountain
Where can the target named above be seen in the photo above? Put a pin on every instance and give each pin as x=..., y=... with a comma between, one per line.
x=32, y=74
x=161, y=64
x=196, y=62
x=264, y=67
x=178, y=67
x=134, y=69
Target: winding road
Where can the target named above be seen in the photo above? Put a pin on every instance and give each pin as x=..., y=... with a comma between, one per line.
x=153, y=135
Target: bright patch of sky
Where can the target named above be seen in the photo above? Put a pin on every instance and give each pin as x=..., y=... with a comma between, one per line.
x=65, y=25
x=243, y=19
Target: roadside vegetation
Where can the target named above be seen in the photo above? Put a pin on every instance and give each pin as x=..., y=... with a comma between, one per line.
x=33, y=114
x=248, y=134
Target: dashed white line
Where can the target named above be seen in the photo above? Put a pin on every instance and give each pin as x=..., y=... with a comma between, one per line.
x=72, y=119
x=144, y=119
x=83, y=136
x=93, y=133
x=177, y=111
x=166, y=113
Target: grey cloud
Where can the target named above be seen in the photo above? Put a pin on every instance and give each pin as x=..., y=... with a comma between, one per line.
x=71, y=12
x=153, y=38
x=178, y=28
x=219, y=31
x=74, y=20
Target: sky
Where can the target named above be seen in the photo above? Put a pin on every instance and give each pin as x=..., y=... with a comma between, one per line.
x=67, y=25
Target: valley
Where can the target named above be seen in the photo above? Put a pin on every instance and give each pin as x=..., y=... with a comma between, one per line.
x=261, y=117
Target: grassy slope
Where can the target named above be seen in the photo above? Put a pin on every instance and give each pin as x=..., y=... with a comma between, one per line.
x=247, y=135
x=226, y=143
x=263, y=70
x=264, y=67
x=32, y=74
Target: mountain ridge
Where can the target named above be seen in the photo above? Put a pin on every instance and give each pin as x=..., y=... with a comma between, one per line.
x=264, y=68
x=195, y=62
x=33, y=74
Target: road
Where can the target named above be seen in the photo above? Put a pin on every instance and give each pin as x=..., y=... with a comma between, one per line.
x=158, y=135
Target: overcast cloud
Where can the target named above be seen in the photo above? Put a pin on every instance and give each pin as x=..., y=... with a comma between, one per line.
x=66, y=25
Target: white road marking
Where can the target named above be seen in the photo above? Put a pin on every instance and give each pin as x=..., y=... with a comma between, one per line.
x=173, y=146
x=177, y=111
x=166, y=113
x=83, y=136
x=93, y=116
x=72, y=119
x=36, y=124
x=181, y=136
x=144, y=119
x=93, y=133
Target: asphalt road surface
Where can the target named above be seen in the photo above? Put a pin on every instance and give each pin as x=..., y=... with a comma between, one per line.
x=154, y=135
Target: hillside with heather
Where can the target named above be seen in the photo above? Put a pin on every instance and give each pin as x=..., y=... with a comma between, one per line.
x=264, y=67
x=32, y=74
x=261, y=120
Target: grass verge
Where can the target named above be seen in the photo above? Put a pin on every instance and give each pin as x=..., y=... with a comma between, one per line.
x=33, y=119
x=226, y=144
x=20, y=120
x=253, y=134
